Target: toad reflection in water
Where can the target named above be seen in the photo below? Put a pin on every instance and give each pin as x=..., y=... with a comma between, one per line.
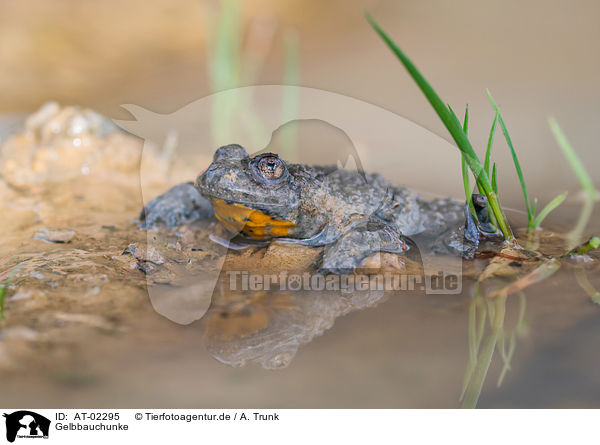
x=267, y=328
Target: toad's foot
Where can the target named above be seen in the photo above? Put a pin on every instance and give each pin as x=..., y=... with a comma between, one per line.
x=373, y=236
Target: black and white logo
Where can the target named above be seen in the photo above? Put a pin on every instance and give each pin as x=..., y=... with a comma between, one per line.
x=26, y=425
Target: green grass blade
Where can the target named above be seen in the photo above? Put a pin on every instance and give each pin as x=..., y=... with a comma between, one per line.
x=472, y=338
x=549, y=207
x=464, y=167
x=515, y=159
x=3, y=288
x=495, y=189
x=494, y=179
x=591, y=244
x=484, y=360
x=455, y=119
x=225, y=67
x=584, y=179
x=5, y=283
x=507, y=359
x=488, y=151
x=586, y=285
x=454, y=128
x=486, y=167
x=477, y=322
x=448, y=118
x=574, y=161
x=465, y=172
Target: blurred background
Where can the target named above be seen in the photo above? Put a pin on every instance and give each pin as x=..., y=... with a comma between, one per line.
x=538, y=58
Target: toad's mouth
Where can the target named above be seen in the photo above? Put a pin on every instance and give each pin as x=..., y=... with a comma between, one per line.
x=254, y=223
x=249, y=202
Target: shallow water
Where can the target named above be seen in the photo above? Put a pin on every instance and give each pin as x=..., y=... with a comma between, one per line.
x=91, y=299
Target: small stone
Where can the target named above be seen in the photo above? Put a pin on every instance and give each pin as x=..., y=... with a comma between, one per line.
x=18, y=333
x=21, y=295
x=91, y=320
x=148, y=254
x=54, y=235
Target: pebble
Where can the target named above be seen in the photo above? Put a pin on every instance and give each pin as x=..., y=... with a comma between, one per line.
x=54, y=235
x=145, y=254
x=18, y=333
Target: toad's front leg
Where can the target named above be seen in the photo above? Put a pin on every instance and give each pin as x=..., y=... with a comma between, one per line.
x=179, y=205
x=359, y=242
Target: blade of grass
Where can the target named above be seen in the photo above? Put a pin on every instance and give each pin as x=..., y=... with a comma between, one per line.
x=448, y=118
x=591, y=244
x=3, y=288
x=495, y=189
x=488, y=150
x=454, y=128
x=465, y=168
x=573, y=159
x=494, y=179
x=584, y=179
x=584, y=283
x=484, y=360
x=455, y=119
x=486, y=167
x=466, y=185
x=224, y=65
x=473, y=351
x=476, y=331
x=5, y=283
x=507, y=359
x=519, y=328
x=549, y=207
x=576, y=234
x=515, y=159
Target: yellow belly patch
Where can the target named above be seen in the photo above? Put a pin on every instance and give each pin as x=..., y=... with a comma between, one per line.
x=253, y=223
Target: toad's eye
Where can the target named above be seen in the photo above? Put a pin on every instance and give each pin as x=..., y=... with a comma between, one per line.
x=270, y=167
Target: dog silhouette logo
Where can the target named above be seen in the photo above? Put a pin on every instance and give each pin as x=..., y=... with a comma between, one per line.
x=26, y=424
